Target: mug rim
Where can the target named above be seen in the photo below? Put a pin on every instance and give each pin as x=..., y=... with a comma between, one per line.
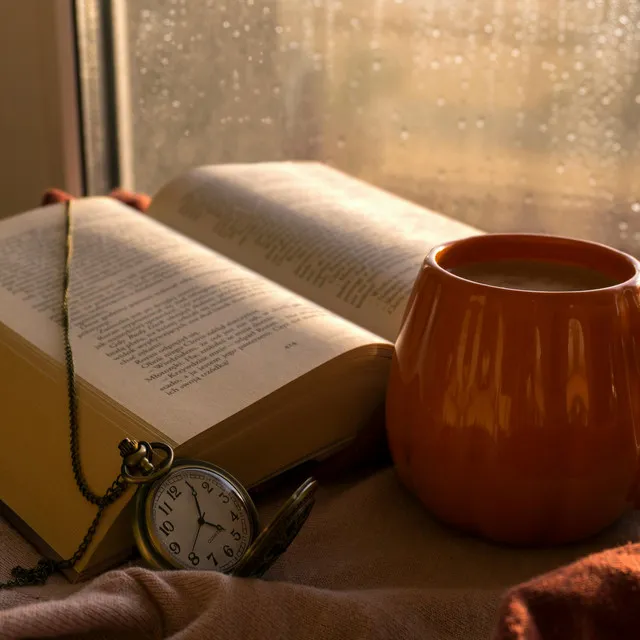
x=617, y=260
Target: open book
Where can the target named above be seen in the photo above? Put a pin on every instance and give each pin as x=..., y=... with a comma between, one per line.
x=246, y=319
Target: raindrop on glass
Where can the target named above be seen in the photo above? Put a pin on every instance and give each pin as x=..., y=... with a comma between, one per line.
x=440, y=102
x=480, y=123
x=377, y=65
x=623, y=226
x=462, y=124
x=404, y=134
x=226, y=24
x=635, y=207
x=341, y=143
x=560, y=168
x=175, y=104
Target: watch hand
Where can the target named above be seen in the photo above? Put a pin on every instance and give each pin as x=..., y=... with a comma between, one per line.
x=219, y=527
x=193, y=546
x=194, y=493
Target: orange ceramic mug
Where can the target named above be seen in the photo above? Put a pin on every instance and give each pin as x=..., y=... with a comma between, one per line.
x=514, y=413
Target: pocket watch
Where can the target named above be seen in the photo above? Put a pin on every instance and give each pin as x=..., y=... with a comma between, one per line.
x=192, y=514
x=189, y=514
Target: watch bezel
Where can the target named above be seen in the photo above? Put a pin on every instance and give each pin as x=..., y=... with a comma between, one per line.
x=150, y=549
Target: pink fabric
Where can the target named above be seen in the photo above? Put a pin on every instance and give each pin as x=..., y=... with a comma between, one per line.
x=369, y=563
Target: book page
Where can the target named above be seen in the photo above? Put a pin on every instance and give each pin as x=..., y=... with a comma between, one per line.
x=336, y=240
x=178, y=335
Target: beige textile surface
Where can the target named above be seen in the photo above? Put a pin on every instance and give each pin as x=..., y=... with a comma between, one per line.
x=370, y=563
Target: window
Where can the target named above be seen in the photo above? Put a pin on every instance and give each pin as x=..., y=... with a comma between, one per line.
x=519, y=115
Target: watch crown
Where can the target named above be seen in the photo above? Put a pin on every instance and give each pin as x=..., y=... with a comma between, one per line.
x=136, y=455
x=128, y=447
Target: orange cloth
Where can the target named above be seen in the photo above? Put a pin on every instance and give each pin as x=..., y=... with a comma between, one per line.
x=595, y=598
x=138, y=201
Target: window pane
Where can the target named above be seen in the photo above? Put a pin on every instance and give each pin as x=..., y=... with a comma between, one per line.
x=515, y=115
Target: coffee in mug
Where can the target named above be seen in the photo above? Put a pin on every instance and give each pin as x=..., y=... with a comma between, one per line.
x=534, y=275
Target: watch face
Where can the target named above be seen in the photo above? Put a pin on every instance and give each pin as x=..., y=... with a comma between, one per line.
x=197, y=519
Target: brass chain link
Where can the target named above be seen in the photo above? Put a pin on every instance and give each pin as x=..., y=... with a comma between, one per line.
x=46, y=567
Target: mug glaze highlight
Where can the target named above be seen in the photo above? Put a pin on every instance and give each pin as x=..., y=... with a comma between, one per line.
x=515, y=414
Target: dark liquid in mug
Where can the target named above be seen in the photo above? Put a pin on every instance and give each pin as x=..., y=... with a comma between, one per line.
x=534, y=275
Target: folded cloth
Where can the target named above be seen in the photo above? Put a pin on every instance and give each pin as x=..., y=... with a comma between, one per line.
x=595, y=598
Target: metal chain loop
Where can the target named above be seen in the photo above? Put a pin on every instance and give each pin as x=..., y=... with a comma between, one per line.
x=40, y=573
